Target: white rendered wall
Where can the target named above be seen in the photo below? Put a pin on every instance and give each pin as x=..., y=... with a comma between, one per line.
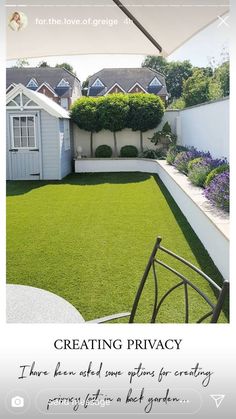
x=212, y=227
x=206, y=127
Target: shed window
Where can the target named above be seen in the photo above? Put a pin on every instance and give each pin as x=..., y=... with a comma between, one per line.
x=23, y=132
x=65, y=133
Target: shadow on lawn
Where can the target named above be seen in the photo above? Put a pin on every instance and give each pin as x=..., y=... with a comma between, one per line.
x=194, y=242
x=22, y=187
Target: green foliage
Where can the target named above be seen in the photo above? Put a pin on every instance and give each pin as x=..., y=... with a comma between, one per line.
x=21, y=63
x=67, y=67
x=215, y=91
x=193, y=162
x=157, y=63
x=43, y=64
x=172, y=153
x=222, y=76
x=103, y=151
x=178, y=104
x=145, y=111
x=129, y=151
x=215, y=172
x=164, y=137
x=196, y=89
x=113, y=112
x=151, y=154
x=177, y=73
x=166, y=129
x=198, y=174
x=84, y=112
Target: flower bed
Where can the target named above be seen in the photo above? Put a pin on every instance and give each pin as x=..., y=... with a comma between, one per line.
x=204, y=171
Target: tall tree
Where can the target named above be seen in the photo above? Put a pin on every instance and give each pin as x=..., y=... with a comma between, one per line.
x=84, y=112
x=196, y=88
x=222, y=76
x=22, y=62
x=43, y=64
x=67, y=67
x=113, y=113
x=157, y=63
x=145, y=112
x=85, y=86
x=177, y=72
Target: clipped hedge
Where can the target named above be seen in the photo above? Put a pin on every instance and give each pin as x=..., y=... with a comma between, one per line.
x=103, y=151
x=129, y=151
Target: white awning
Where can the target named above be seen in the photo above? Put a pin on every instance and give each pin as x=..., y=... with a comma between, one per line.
x=73, y=27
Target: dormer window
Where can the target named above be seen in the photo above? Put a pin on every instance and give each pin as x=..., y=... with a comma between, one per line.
x=98, y=83
x=63, y=83
x=32, y=84
x=155, y=82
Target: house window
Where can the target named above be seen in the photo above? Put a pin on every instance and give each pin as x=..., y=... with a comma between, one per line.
x=64, y=102
x=32, y=84
x=98, y=83
x=23, y=132
x=63, y=83
x=155, y=82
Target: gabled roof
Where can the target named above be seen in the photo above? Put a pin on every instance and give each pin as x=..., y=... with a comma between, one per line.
x=41, y=100
x=126, y=78
x=49, y=75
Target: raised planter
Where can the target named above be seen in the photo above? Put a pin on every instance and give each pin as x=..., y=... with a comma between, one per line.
x=210, y=225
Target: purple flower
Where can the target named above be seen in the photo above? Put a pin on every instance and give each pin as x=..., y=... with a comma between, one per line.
x=218, y=191
x=182, y=159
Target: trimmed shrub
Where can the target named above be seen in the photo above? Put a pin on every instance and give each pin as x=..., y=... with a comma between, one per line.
x=218, y=191
x=166, y=129
x=129, y=151
x=220, y=169
x=172, y=153
x=145, y=112
x=150, y=154
x=84, y=112
x=113, y=113
x=103, y=151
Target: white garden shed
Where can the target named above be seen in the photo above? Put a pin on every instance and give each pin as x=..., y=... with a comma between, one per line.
x=38, y=137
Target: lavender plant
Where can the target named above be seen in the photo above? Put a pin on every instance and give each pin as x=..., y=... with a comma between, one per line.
x=182, y=159
x=218, y=191
x=199, y=169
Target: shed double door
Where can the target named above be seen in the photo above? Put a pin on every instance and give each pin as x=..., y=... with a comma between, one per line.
x=24, y=147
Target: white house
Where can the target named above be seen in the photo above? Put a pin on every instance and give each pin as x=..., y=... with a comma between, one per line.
x=39, y=144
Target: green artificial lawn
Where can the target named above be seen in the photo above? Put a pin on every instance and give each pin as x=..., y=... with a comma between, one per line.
x=88, y=239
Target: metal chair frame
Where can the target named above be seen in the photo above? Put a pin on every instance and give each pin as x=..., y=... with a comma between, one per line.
x=215, y=309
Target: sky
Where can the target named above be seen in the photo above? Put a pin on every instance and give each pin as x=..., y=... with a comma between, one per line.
x=200, y=50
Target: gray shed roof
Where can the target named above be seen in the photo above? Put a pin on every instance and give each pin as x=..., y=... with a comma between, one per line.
x=41, y=100
x=126, y=78
x=50, y=75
